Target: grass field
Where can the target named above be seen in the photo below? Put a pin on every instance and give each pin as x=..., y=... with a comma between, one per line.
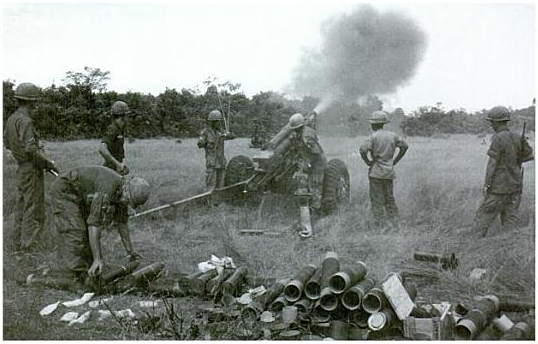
x=437, y=190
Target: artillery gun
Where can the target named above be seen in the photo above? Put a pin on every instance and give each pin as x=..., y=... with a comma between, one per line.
x=279, y=168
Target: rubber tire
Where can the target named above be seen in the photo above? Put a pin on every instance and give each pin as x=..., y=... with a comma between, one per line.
x=333, y=195
x=238, y=169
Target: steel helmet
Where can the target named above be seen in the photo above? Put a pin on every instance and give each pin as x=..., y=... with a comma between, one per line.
x=379, y=117
x=214, y=115
x=296, y=121
x=120, y=108
x=138, y=190
x=27, y=91
x=498, y=114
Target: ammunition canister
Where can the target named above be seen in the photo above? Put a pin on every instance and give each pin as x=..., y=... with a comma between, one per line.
x=232, y=286
x=303, y=305
x=278, y=304
x=477, y=318
x=318, y=314
x=448, y=261
x=146, y=274
x=344, y=279
x=327, y=300
x=329, y=267
x=270, y=295
x=382, y=319
x=294, y=289
x=520, y=331
x=353, y=297
x=312, y=288
x=199, y=284
x=213, y=284
x=119, y=272
x=374, y=300
x=361, y=319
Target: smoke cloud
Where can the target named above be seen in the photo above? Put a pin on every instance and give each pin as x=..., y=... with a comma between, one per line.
x=365, y=52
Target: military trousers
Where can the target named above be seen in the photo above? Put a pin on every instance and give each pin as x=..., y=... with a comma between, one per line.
x=494, y=205
x=74, y=251
x=214, y=178
x=30, y=207
x=382, y=199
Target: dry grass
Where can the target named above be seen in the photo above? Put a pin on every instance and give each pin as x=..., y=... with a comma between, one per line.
x=437, y=191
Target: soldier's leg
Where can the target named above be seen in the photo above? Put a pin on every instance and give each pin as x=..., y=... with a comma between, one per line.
x=39, y=208
x=29, y=188
x=317, y=187
x=390, y=203
x=509, y=213
x=210, y=178
x=220, y=177
x=487, y=213
x=17, y=230
x=377, y=200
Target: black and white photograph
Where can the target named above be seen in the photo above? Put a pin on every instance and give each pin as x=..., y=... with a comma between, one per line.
x=268, y=170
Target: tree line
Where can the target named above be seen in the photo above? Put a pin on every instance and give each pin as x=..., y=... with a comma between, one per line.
x=80, y=109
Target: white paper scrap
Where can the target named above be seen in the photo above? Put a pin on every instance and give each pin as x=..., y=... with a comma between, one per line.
x=79, y=302
x=48, y=310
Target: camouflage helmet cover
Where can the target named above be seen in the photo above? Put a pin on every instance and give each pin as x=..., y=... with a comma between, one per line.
x=379, y=117
x=120, y=108
x=498, y=114
x=214, y=115
x=27, y=91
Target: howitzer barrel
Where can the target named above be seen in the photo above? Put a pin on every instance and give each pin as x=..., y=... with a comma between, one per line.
x=278, y=138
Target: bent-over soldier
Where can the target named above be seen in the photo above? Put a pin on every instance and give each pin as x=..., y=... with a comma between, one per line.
x=111, y=148
x=212, y=141
x=86, y=200
x=21, y=138
x=382, y=144
x=503, y=184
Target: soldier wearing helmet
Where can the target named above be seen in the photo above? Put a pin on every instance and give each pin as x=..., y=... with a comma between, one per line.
x=21, y=138
x=381, y=145
x=84, y=201
x=111, y=148
x=212, y=141
x=503, y=184
x=314, y=160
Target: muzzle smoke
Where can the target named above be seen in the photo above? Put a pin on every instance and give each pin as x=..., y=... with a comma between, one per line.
x=362, y=53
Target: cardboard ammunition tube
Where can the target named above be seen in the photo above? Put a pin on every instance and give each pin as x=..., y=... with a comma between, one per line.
x=312, y=288
x=352, y=298
x=319, y=314
x=294, y=289
x=232, y=286
x=278, y=304
x=520, y=331
x=339, y=330
x=199, y=283
x=327, y=300
x=213, y=284
x=303, y=305
x=361, y=318
x=381, y=320
x=147, y=273
x=270, y=295
x=347, y=277
x=251, y=310
x=329, y=266
x=477, y=318
x=374, y=300
x=120, y=271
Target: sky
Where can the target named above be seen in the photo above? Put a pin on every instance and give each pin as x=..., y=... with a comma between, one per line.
x=477, y=56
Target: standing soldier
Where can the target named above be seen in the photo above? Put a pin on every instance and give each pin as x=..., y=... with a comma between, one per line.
x=212, y=140
x=504, y=174
x=85, y=201
x=111, y=148
x=21, y=138
x=315, y=161
x=381, y=144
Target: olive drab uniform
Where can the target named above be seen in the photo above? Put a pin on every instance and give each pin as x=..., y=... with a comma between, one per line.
x=114, y=139
x=85, y=196
x=212, y=141
x=382, y=145
x=315, y=158
x=21, y=138
x=504, y=194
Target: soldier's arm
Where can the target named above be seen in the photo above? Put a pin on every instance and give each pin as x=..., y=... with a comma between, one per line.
x=403, y=146
x=123, y=229
x=202, y=141
x=105, y=153
x=28, y=138
x=94, y=234
x=364, y=149
x=493, y=153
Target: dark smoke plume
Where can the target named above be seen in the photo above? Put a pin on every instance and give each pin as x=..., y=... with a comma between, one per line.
x=365, y=52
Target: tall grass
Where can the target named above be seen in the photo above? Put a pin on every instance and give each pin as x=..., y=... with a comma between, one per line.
x=437, y=191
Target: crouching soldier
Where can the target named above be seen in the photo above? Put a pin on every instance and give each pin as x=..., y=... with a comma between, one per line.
x=85, y=201
x=212, y=141
x=504, y=174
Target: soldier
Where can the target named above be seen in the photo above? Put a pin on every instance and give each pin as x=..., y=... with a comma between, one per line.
x=111, y=148
x=21, y=138
x=504, y=174
x=381, y=144
x=212, y=140
x=315, y=161
x=85, y=201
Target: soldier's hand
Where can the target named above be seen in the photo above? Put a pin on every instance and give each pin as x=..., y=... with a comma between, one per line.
x=485, y=190
x=133, y=256
x=122, y=168
x=96, y=268
x=230, y=135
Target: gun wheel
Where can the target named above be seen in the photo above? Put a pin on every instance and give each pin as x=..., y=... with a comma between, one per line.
x=335, y=186
x=239, y=168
